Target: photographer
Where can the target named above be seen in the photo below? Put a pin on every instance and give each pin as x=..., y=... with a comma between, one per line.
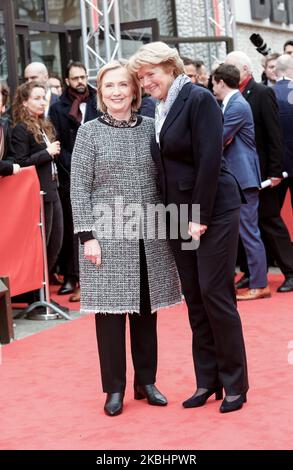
x=288, y=48
x=269, y=147
x=270, y=77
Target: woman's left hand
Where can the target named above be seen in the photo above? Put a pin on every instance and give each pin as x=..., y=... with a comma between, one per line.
x=92, y=251
x=196, y=230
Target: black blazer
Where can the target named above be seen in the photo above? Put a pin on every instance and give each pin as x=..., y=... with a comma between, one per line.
x=268, y=138
x=6, y=168
x=268, y=134
x=283, y=91
x=189, y=160
x=5, y=123
x=28, y=152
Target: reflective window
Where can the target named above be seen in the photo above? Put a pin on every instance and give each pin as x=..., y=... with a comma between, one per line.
x=20, y=55
x=3, y=54
x=133, y=39
x=65, y=12
x=133, y=10
x=45, y=47
x=32, y=10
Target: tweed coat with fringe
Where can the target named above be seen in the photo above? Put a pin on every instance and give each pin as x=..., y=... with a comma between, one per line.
x=111, y=164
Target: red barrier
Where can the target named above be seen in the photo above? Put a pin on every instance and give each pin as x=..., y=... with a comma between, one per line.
x=21, y=255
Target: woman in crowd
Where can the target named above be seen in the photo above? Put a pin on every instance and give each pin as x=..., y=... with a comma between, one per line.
x=33, y=142
x=119, y=273
x=188, y=152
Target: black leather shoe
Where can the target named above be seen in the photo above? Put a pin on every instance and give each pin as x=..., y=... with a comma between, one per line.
x=228, y=406
x=287, y=285
x=67, y=288
x=151, y=393
x=114, y=404
x=243, y=282
x=200, y=400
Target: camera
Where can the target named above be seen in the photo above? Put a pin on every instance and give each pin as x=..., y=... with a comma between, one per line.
x=260, y=45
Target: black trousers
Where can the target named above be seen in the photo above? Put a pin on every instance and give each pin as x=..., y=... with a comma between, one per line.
x=282, y=189
x=54, y=230
x=277, y=241
x=276, y=237
x=207, y=277
x=273, y=230
x=110, y=330
x=68, y=260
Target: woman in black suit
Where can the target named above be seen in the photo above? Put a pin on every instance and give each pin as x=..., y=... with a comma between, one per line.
x=188, y=153
x=33, y=142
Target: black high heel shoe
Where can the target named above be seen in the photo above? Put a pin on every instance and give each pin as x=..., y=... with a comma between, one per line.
x=151, y=393
x=200, y=400
x=114, y=404
x=228, y=406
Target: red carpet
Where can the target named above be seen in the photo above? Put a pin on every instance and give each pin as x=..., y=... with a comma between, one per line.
x=51, y=395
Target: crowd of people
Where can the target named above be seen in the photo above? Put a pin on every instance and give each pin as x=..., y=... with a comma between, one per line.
x=192, y=140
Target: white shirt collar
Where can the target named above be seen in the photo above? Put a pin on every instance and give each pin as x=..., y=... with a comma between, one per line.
x=82, y=108
x=284, y=78
x=227, y=99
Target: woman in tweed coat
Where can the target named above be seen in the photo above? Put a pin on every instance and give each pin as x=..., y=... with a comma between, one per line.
x=112, y=171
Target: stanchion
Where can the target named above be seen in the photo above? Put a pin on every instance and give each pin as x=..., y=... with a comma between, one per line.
x=52, y=311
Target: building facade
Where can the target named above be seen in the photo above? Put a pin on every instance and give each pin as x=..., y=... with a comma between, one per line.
x=272, y=20
x=50, y=31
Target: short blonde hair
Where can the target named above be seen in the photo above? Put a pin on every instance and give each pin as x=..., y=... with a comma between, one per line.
x=157, y=53
x=113, y=65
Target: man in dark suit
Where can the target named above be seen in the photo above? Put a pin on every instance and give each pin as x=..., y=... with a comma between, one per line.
x=268, y=137
x=76, y=105
x=284, y=94
x=242, y=159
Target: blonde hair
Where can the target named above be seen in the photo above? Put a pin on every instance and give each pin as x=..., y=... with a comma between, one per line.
x=157, y=53
x=113, y=65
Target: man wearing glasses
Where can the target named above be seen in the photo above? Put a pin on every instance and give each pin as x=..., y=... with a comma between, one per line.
x=76, y=105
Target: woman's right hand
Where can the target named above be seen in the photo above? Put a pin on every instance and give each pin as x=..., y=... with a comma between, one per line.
x=54, y=148
x=92, y=251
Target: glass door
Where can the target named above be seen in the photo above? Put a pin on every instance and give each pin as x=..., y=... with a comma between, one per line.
x=3, y=49
x=136, y=33
x=23, y=54
x=133, y=35
x=7, y=44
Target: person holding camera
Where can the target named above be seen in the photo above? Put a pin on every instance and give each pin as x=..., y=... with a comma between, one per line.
x=270, y=77
x=269, y=147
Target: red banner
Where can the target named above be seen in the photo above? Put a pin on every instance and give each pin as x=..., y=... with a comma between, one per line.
x=21, y=253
